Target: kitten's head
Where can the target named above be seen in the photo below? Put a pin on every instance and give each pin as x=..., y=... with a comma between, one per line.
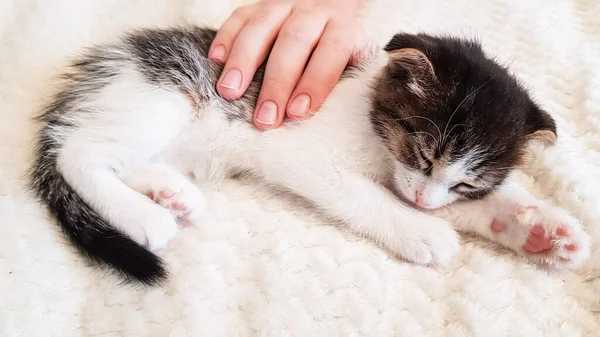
x=456, y=121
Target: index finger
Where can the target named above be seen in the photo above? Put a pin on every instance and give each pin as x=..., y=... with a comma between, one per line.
x=250, y=50
x=228, y=33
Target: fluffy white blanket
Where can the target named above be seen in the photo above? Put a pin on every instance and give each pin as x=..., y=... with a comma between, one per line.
x=260, y=265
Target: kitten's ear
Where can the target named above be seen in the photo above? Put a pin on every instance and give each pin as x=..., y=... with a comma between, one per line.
x=406, y=40
x=409, y=63
x=406, y=58
x=542, y=127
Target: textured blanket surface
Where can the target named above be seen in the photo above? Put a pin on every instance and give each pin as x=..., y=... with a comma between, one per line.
x=259, y=264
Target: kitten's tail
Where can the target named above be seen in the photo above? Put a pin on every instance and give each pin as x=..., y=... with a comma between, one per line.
x=88, y=231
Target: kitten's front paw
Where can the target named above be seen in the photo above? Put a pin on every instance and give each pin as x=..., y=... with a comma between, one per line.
x=159, y=230
x=427, y=241
x=545, y=234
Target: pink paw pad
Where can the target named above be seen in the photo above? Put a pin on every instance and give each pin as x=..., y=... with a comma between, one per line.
x=497, y=226
x=165, y=198
x=539, y=241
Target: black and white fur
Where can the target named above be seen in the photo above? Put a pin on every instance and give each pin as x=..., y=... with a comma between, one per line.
x=138, y=120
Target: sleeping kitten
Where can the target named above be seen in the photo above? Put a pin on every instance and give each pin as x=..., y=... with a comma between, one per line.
x=138, y=119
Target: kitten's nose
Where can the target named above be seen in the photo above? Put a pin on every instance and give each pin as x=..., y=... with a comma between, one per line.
x=419, y=199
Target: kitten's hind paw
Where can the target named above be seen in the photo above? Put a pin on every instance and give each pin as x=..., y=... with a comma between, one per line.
x=168, y=188
x=183, y=203
x=151, y=226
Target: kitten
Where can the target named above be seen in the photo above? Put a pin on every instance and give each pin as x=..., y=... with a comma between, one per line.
x=137, y=119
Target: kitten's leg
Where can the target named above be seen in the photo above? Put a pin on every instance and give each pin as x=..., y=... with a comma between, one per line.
x=128, y=211
x=367, y=208
x=168, y=188
x=129, y=123
x=542, y=232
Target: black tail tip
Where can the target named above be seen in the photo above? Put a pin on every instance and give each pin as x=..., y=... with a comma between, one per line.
x=132, y=261
x=147, y=274
x=150, y=275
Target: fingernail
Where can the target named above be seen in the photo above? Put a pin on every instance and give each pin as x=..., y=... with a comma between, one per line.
x=232, y=80
x=219, y=53
x=299, y=105
x=267, y=114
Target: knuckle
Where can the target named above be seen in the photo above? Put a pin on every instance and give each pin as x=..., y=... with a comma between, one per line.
x=304, y=26
x=261, y=18
x=272, y=8
x=316, y=89
x=242, y=12
x=257, y=20
x=338, y=44
x=310, y=12
x=303, y=36
x=272, y=84
x=267, y=13
x=338, y=38
x=275, y=5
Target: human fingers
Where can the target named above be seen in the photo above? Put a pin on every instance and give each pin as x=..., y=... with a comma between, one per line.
x=296, y=40
x=228, y=33
x=251, y=47
x=324, y=70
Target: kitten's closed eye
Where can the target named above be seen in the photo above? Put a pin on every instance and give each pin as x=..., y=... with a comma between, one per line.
x=403, y=123
x=464, y=187
x=426, y=163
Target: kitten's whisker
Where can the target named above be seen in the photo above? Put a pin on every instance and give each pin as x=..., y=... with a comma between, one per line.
x=388, y=167
x=412, y=155
x=424, y=132
x=449, y=132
